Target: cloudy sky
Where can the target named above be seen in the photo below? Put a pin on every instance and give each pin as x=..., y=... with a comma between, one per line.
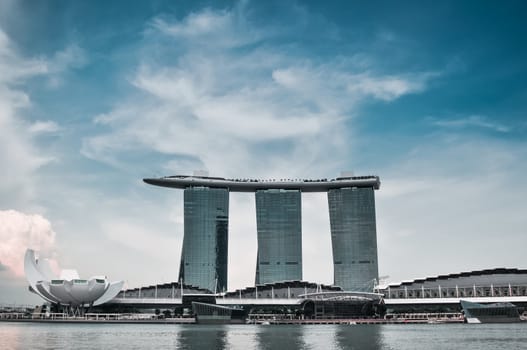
x=95, y=96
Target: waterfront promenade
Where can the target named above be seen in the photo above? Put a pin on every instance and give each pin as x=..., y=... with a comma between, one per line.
x=93, y=318
x=418, y=318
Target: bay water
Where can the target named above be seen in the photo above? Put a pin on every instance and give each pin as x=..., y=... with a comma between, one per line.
x=15, y=336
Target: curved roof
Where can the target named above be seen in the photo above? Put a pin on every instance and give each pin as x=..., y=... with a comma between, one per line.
x=253, y=185
x=343, y=296
x=177, y=286
x=470, y=277
x=303, y=286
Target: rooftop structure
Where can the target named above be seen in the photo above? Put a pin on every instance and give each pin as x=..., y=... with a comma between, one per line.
x=498, y=277
x=280, y=290
x=253, y=185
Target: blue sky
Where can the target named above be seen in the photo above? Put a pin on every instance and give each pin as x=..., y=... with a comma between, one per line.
x=96, y=95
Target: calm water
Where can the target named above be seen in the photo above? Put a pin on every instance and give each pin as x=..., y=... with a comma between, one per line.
x=100, y=336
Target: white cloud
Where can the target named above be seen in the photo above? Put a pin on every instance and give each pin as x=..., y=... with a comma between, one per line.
x=387, y=88
x=18, y=232
x=211, y=29
x=197, y=24
x=21, y=158
x=17, y=153
x=13, y=67
x=471, y=121
x=330, y=83
x=42, y=127
x=72, y=56
x=452, y=205
x=238, y=112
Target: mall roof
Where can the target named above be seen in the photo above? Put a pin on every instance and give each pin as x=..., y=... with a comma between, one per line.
x=487, y=273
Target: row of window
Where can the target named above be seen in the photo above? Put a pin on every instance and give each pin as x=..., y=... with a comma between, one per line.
x=464, y=292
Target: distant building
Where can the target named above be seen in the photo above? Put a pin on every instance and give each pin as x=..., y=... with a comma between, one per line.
x=279, y=228
x=424, y=297
x=282, y=299
x=443, y=293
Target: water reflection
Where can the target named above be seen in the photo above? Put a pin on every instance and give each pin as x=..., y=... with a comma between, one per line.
x=320, y=337
x=202, y=337
x=340, y=337
x=328, y=337
x=367, y=337
x=10, y=336
x=280, y=337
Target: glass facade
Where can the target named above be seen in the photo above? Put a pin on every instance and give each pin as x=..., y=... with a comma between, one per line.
x=353, y=238
x=205, y=243
x=279, y=227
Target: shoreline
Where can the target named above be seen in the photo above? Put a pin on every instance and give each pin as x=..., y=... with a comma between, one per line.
x=257, y=322
x=100, y=321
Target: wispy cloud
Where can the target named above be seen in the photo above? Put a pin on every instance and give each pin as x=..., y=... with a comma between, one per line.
x=321, y=82
x=211, y=28
x=473, y=121
x=389, y=88
x=18, y=136
x=41, y=127
x=18, y=155
x=72, y=57
x=231, y=110
x=13, y=68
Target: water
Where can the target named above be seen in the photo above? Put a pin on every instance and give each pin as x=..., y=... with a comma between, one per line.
x=14, y=336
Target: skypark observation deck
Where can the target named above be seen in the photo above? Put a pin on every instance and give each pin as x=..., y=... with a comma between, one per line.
x=204, y=255
x=253, y=185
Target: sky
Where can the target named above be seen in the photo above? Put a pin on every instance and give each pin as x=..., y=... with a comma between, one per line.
x=97, y=95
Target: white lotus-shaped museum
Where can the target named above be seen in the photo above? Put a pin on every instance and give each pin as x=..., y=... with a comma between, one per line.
x=68, y=288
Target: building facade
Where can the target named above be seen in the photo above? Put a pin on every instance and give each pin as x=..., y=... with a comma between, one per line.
x=353, y=237
x=279, y=228
x=444, y=293
x=205, y=243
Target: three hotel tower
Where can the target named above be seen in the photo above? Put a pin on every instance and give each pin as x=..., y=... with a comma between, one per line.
x=278, y=220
